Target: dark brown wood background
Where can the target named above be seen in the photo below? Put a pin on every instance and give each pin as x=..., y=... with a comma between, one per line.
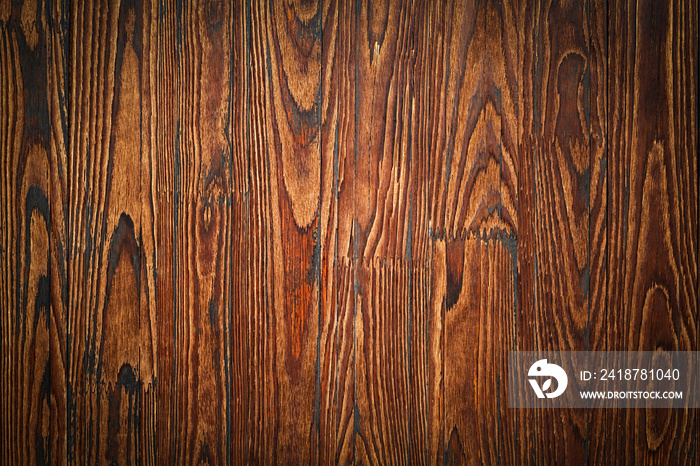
x=310, y=232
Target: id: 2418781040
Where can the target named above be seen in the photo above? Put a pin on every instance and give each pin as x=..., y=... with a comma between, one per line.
x=632, y=374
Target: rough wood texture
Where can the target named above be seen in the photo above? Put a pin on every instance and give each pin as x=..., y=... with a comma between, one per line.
x=288, y=228
x=310, y=232
x=28, y=322
x=652, y=299
x=560, y=130
x=111, y=328
x=475, y=117
x=479, y=290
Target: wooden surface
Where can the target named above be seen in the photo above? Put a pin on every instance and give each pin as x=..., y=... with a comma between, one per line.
x=310, y=232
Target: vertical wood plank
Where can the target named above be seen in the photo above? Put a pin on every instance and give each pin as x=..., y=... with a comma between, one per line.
x=561, y=121
x=435, y=349
x=474, y=171
x=290, y=210
x=387, y=202
x=479, y=293
x=336, y=325
x=110, y=325
x=416, y=139
x=381, y=361
x=165, y=175
x=384, y=94
x=345, y=373
x=421, y=360
x=148, y=331
x=333, y=277
x=338, y=76
x=325, y=444
x=477, y=125
x=202, y=240
x=598, y=197
x=652, y=211
x=240, y=233
x=57, y=98
x=601, y=422
x=527, y=260
x=262, y=410
x=25, y=235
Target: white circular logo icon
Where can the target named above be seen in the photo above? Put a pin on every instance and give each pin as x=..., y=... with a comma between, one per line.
x=542, y=369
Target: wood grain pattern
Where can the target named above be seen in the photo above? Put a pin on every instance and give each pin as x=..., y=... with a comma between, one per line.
x=289, y=219
x=652, y=284
x=239, y=365
x=110, y=323
x=164, y=179
x=337, y=426
x=25, y=248
x=479, y=308
x=201, y=242
x=473, y=187
x=475, y=132
x=336, y=363
x=57, y=97
x=390, y=227
x=601, y=422
x=561, y=123
x=311, y=231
